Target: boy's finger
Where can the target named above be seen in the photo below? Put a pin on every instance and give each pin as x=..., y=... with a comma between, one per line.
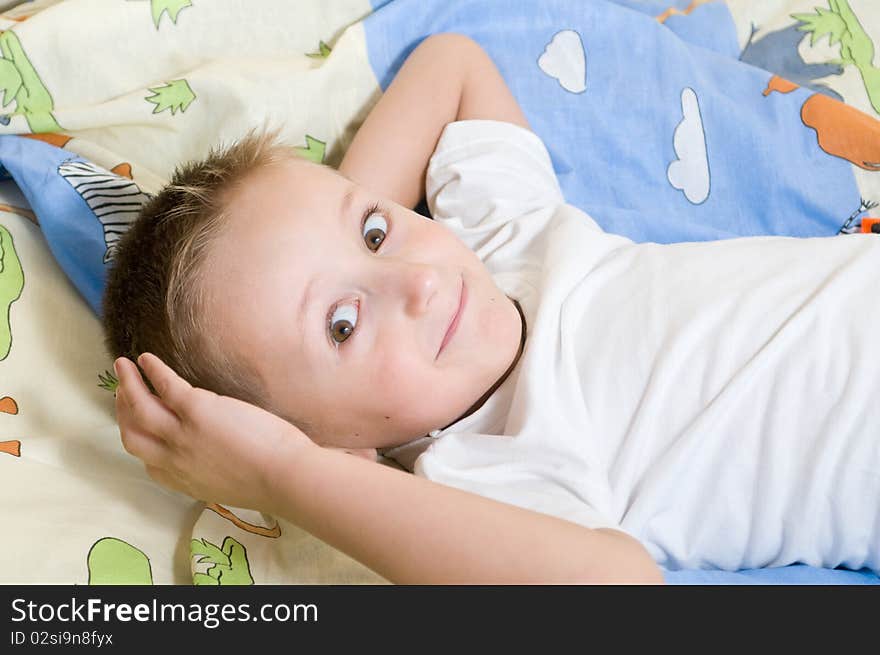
x=135, y=402
x=172, y=388
x=164, y=478
x=150, y=449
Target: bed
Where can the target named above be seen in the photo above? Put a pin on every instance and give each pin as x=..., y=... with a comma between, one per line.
x=666, y=120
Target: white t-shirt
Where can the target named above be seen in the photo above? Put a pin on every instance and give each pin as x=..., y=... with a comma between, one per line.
x=718, y=401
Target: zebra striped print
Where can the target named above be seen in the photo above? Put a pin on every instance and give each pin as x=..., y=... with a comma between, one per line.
x=115, y=200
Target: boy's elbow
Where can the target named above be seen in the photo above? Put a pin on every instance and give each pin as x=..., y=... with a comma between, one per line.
x=633, y=572
x=630, y=562
x=451, y=43
x=637, y=573
x=450, y=39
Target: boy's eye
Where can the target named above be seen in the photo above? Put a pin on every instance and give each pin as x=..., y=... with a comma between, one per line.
x=342, y=321
x=375, y=229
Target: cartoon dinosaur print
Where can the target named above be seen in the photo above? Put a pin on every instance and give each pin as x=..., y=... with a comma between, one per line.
x=9, y=406
x=841, y=130
x=115, y=200
x=20, y=83
x=229, y=563
x=112, y=561
x=778, y=51
x=171, y=7
x=842, y=26
x=11, y=285
x=314, y=150
x=849, y=226
x=108, y=382
x=323, y=51
x=174, y=95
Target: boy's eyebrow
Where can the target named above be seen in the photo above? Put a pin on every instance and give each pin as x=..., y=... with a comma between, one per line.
x=345, y=203
x=344, y=211
x=304, y=302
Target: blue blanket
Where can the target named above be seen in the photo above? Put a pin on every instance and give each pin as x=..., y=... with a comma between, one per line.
x=663, y=134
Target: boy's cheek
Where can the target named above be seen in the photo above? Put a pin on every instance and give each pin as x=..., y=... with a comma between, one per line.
x=392, y=362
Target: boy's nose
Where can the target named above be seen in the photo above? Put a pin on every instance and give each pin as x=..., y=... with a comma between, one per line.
x=417, y=284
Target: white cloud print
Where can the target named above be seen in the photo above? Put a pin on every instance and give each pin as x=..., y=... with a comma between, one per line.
x=690, y=172
x=564, y=60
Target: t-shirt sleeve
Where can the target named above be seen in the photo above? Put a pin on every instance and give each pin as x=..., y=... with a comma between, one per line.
x=497, y=467
x=484, y=174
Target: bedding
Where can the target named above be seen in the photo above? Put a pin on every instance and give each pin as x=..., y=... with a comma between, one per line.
x=666, y=121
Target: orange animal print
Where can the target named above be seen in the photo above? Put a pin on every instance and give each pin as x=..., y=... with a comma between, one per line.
x=780, y=85
x=841, y=130
x=123, y=170
x=9, y=406
x=672, y=11
x=11, y=448
x=21, y=211
x=52, y=138
x=272, y=531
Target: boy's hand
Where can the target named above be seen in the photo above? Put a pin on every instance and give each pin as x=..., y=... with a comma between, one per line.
x=208, y=446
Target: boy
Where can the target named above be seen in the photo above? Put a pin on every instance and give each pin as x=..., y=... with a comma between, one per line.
x=695, y=404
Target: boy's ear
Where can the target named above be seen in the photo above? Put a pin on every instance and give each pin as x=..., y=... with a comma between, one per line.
x=366, y=453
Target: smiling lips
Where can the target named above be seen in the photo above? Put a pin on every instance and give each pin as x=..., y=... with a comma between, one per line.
x=453, y=325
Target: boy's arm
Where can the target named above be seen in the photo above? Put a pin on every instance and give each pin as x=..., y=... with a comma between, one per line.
x=414, y=531
x=448, y=77
x=407, y=529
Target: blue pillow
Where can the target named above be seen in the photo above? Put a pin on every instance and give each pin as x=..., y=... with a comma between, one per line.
x=82, y=208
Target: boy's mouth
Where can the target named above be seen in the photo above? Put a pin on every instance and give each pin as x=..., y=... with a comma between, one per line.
x=456, y=318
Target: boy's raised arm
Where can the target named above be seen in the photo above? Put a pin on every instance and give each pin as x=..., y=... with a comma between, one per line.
x=448, y=77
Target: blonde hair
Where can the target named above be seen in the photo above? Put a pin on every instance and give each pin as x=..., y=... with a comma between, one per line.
x=154, y=300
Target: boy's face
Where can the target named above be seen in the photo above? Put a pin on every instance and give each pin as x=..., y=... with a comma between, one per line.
x=373, y=331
